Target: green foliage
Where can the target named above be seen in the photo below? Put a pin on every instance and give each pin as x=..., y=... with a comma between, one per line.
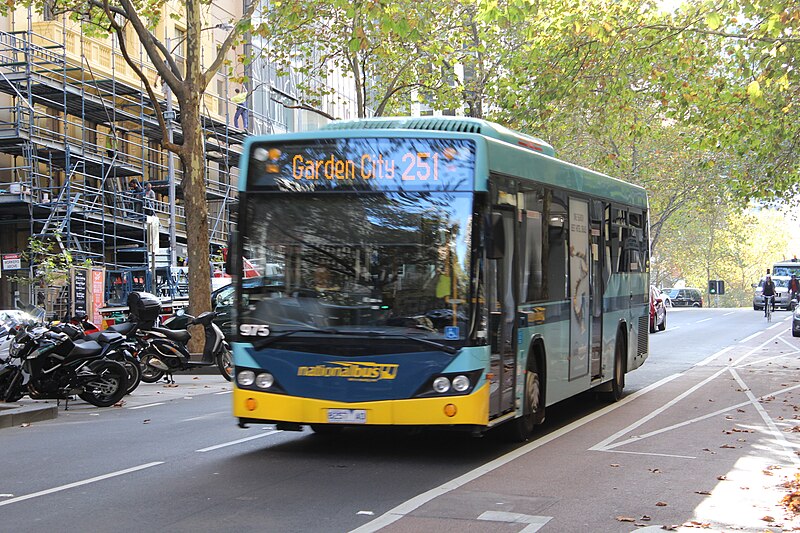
x=52, y=264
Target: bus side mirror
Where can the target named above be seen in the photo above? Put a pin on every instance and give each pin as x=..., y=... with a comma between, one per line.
x=497, y=237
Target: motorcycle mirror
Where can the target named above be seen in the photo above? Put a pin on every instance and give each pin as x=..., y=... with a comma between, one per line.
x=180, y=312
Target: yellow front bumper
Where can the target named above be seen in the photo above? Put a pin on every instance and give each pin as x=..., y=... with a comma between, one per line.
x=469, y=410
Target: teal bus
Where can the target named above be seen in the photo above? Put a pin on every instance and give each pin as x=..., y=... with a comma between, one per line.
x=434, y=272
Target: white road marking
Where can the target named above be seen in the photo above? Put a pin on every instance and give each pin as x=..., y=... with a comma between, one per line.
x=207, y=415
x=146, y=405
x=726, y=314
x=535, y=523
x=707, y=360
x=79, y=483
x=775, y=326
x=223, y=392
x=674, y=426
x=395, y=514
x=751, y=337
x=777, y=434
x=239, y=441
x=608, y=450
x=704, y=320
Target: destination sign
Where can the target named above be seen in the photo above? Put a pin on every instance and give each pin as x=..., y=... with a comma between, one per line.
x=411, y=164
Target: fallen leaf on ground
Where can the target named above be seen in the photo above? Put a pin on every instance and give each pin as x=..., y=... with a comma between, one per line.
x=727, y=446
x=722, y=478
x=613, y=465
x=661, y=504
x=654, y=470
x=625, y=519
x=146, y=421
x=26, y=425
x=767, y=518
x=703, y=492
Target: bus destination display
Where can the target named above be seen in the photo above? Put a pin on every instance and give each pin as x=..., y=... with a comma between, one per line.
x=365, y=164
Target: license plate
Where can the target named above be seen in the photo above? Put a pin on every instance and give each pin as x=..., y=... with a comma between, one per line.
x=347, y=416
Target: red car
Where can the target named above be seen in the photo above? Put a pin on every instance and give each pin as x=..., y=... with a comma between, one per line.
x=658, y=311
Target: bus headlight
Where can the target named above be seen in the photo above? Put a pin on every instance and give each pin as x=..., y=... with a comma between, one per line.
x=264, y=380
x=441, y=384
x=460, y=383
x=245, y=378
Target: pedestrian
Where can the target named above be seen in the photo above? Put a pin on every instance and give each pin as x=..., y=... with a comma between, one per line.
x=794, y=288
x=149, y=199
x=135, y=190
x=240, y=99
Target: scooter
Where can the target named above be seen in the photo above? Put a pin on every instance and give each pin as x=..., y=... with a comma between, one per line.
x=166, y=351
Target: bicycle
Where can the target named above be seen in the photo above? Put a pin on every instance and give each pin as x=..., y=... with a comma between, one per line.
x=769, y=304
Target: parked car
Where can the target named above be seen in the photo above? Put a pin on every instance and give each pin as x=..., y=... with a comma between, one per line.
x=796, y=323
x=686, y=297
x=782, y=299
x=664, y=295
x=658, y=311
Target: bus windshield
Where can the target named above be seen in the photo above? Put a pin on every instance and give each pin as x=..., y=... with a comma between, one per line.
x=378, y=262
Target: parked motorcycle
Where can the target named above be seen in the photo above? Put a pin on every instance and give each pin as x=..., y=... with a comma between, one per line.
x=117, y=347
x=53, y=366
x=165, y=351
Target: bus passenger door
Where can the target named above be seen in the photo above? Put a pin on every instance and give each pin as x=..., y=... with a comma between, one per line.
x=502, y=314
x=579, y=271
x=596, y=289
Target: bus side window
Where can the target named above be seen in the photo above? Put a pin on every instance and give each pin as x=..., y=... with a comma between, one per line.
x=554, y=248
x=531, y=287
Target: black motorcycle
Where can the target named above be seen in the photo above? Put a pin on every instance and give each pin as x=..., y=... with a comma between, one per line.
x=49, y=365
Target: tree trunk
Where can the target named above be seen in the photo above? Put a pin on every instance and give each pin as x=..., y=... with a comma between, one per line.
x=196, y=208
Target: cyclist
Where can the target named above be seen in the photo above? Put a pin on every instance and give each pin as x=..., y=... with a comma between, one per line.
x=768, y=292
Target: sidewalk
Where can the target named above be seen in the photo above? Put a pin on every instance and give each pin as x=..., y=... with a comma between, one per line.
x=715, y=448
x=28, y=411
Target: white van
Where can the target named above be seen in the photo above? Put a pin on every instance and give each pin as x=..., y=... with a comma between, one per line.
x=786, y=268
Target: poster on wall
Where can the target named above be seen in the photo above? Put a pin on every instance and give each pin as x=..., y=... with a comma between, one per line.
x=98, y=295
x=79, y=295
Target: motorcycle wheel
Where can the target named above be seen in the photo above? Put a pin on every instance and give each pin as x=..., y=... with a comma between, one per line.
x=108, y=387
x=225, y=363
x=10, y=390
x=150, y=374
x=134, y=370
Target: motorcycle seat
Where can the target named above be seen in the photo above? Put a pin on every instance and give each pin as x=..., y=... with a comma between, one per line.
x=178, y=335
x=124, y=328
x=109, y=337
x=85, y=349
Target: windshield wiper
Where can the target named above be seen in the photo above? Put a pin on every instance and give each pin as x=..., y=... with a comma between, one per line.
x=428, y=342
x=330, y=331
x=269, y=340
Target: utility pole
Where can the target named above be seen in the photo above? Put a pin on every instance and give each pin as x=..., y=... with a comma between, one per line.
x=169, y=118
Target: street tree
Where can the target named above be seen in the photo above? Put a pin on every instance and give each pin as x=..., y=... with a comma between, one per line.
x=392, y=51
x=136, y=20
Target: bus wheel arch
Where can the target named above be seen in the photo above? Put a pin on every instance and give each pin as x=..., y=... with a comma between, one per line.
x=533, y=395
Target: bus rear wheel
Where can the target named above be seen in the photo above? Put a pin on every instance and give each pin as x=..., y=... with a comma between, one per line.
x=618, y=381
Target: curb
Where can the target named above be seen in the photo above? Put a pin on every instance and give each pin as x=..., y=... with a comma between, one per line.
x=15, y=414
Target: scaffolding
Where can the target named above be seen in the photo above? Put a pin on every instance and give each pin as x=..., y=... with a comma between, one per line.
x=77, y=130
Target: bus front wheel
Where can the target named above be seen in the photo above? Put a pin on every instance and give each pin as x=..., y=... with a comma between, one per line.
x=521, y=428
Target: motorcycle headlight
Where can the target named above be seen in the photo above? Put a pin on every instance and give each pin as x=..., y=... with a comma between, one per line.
x=16, y=348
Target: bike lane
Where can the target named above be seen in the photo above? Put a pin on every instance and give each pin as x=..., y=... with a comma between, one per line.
x=711, y=448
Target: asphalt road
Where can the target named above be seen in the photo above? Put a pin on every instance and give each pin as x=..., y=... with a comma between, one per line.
x=172, y=458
